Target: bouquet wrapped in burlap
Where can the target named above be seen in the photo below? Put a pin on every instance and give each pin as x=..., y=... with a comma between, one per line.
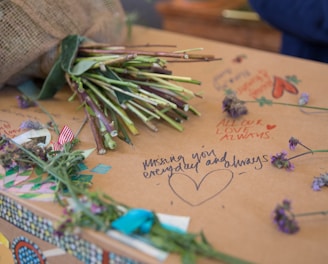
x=31, y=32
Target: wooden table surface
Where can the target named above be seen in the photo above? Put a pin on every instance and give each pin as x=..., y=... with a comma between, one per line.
x=228, y=187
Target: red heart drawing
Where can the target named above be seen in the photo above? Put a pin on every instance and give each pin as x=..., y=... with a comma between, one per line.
x=193, y=193
x=269, y=127
x=280, y=85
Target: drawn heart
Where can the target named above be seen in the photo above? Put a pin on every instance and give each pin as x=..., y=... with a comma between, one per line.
x=280, y=85
x=193, y=193
x=269, y=127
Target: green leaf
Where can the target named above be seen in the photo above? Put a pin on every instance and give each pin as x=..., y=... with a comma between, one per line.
x=86, y=153
x=82, y=66
x=203, y=238
x=38, y=171
x=228, y=91
x=82, y=178
x=112, y=75
x=54, y=81
x=27, y=172
x=188, y=258
x=69, y=48
x=263, y=101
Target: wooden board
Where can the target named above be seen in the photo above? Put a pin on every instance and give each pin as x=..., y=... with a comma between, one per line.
x=217, y=171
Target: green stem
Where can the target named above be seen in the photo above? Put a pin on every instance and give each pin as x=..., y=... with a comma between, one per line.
x=158, y=75
x=305, y=146
x=309, y=152
x=60, y=173
x=294, y=105
x=167, y=119
x=311, y=213
x=110, y=81
x=75, y=193
x=107, y=102
x=147, y=53
x=50, y=117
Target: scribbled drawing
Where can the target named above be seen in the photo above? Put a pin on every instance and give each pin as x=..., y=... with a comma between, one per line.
x=196, y=193
x=280, y=85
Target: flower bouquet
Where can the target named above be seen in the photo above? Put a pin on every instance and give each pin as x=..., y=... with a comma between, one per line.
x=116, y=84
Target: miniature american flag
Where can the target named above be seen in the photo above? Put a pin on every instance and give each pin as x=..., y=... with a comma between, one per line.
x=66, y=135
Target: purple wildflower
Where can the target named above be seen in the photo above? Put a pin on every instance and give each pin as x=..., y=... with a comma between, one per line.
x=304, y=99
x=233, y=106
x=4, y=144
x=284, y=218
x=320, y=182
x=24, y=101
x=96, y=209
x=62, y=227
x=29, y=124
x=293, y=143
x=280, y=161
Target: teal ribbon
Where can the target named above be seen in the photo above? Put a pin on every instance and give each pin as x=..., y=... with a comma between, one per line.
x=134, y=220
x=139, y=220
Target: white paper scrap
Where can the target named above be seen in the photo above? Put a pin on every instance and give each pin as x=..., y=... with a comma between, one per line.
x=137, y=242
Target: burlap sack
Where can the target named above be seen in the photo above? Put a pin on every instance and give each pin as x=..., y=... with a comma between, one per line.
x=31, y=31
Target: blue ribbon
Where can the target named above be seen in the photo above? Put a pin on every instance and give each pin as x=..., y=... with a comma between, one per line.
x=133, y=220
x=139, y=220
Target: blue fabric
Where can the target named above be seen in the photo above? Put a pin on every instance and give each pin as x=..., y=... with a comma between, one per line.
x=139, y=220
x=134, y=220
x=304, y=24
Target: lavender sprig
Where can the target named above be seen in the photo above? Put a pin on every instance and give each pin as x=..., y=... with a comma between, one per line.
x=235, y=107
x=285, y=219
x=280, y=160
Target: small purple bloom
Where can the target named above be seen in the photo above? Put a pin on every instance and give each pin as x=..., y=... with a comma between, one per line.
x=304, y=99
x=29, y=124
x=320, y=182
x=96, y=209
x=24, y=101
x=4, y=143
x=280, y=161
x=293, y=143
x=284, y=218
x=233, y=106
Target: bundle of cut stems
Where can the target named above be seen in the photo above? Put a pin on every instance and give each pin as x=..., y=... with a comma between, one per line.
x=117, y=84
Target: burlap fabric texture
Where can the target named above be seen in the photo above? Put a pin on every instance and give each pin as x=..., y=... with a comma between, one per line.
x=31, y=31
